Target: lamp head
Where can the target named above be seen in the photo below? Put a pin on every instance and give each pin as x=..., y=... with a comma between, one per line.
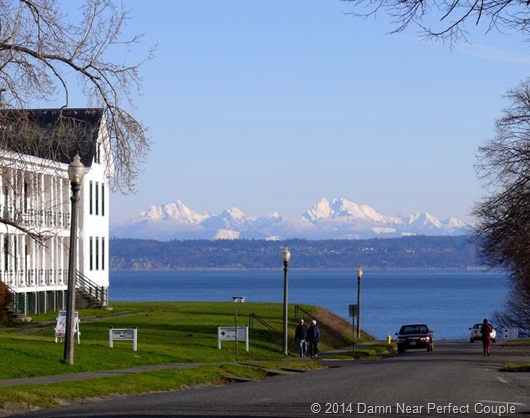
x=76, y=170
x=359, y=273
x=286, y=255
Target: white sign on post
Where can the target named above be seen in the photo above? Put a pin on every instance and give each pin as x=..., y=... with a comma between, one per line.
x=60, y=327
x=123, y=335
x=510, y=333
x=229, y=334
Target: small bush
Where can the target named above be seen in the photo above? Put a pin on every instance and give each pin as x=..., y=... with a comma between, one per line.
x=5, y=301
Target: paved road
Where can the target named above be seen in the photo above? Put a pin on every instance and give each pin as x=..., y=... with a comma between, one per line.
x=454, y=380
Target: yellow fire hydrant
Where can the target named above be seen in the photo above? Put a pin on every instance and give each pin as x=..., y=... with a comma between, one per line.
x=389, y=340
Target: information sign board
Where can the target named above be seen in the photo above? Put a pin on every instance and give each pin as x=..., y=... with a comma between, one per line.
x=232, y=334
x=353, y=310
x=60, y=327
x=123, y=335
x=229, y=333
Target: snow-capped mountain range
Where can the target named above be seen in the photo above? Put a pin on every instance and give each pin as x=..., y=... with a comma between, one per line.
x=327, y=219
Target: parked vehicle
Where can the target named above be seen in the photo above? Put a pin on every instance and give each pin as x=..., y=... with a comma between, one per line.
x=475, y=334
x=412, y=336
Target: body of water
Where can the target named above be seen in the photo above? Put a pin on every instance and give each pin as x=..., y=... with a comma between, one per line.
x=449, y=301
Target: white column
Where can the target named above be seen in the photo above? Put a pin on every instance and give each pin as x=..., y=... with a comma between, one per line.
x=23, y=258
x=2, y=189
x=33, y=196
x=42, y=207
x=32, y=263
x=19, y=242
x=53, y=264
x=60, y=203
x=10, y=198
x=61, y=260
x=36, y=200
x=53, y=199
x=42, y=264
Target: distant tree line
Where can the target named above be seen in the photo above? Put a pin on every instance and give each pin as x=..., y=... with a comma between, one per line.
x=406, y=252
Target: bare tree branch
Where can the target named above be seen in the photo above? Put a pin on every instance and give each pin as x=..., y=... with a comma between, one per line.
x=446, y=20
x=39, y=51
x=502, y=233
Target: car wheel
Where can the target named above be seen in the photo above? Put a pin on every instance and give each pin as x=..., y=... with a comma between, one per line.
x=493, y=340
x=471, y=340
x=430, y=347
x=400, y=349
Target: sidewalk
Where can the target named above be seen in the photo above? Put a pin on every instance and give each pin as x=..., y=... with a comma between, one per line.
x=46, y=380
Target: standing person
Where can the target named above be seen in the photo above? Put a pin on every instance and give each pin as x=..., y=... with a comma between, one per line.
x=485, y=330
x=300, y=335
x=313, y=336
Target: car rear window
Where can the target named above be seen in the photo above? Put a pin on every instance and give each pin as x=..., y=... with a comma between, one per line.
x=413, y=329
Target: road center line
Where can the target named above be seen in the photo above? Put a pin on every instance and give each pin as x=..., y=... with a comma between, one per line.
x=502, y=380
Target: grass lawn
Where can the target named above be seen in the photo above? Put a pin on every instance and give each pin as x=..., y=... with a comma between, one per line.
x=168, y=332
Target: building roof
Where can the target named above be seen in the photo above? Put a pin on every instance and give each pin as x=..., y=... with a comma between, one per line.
x=53, y=134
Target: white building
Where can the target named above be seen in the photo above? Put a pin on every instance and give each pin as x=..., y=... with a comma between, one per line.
x=35, y=203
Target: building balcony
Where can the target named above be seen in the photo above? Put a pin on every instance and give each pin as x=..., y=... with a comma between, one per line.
x=36, y=217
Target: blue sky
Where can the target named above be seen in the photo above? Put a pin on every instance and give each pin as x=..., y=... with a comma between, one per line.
x=270, y=106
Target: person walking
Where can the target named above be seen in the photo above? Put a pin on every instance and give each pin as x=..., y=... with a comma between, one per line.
x=486, y=330
x=300, y=335
x=313, y=337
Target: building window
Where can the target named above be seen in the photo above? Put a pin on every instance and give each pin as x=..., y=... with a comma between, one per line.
x=102, y=253
x=6, y=252
x=90, y=254
x=6, y=203
x=90, y=198
x=97, y=253
x=98, y=153
x=15, y=256
x=26, y=196
x=97, y=198
x=102, y=199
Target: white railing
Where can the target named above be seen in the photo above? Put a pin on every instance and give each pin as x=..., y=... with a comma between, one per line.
x=35, y=278
x=36, y=217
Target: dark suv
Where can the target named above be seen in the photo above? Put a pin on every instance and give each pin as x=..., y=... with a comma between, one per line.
x=415, y=336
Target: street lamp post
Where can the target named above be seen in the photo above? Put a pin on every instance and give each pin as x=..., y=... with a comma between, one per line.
x=286, y=256
x=236, y=300
x=76, y=172
x=359, y=277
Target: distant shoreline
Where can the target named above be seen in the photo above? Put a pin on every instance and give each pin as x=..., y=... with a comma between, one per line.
x=353, y=269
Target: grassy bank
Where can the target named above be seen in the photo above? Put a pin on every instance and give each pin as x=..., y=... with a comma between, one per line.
x=168, y=333
x=523, y=345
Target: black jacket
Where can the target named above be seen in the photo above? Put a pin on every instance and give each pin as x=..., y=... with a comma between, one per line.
x=300, y=333
x=313, y=333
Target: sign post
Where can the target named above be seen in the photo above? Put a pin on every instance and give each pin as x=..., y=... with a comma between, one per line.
x=353, y=311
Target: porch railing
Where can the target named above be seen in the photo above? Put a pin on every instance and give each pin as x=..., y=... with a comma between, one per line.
x=36, y=217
